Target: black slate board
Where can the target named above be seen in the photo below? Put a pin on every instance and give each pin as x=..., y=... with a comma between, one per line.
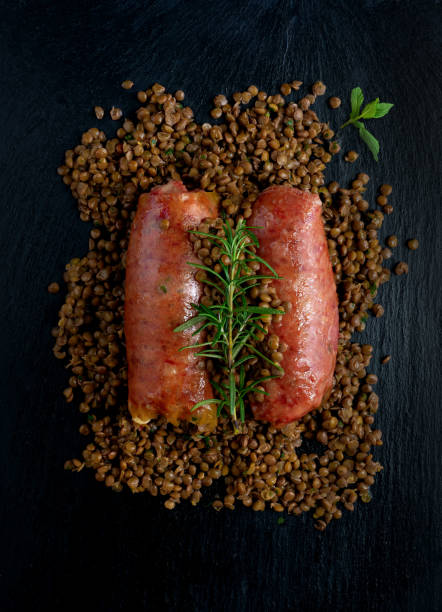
x=68, y=543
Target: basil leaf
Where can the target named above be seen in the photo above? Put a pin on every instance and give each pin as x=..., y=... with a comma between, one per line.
x=357, y=98
x=382, y=109
x=371, y=142
x=369, y=111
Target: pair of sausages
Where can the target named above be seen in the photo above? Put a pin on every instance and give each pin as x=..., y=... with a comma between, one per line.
x=160, y=287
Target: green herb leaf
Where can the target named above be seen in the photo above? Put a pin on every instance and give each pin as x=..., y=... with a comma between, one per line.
x=371, y=142
x=281, y=520
x=373, y=110
x=128, y=137
x=369, y=110
x=357, y=98
x=163, y=288
x=168, y=152
x=382, y=109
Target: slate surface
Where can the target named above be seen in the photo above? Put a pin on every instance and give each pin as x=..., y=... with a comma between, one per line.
x=68, y=543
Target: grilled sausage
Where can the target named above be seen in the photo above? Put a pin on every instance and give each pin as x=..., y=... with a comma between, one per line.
x=160, y=287
x=292, y=240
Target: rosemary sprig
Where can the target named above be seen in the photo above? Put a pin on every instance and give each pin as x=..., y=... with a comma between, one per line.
x=233, y=322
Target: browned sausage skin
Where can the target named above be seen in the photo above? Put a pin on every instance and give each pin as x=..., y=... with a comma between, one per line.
x=292, y=240
x=160, y=287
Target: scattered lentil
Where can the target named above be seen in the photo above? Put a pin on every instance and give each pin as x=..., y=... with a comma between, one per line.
x=54, y=288
x=99, y=112
x=401, y=268
x=351, y=156
x=413, y=244
x=386, y=189
x=116, y=113
x=392, y=241
x=334, y=102
x=318, y=88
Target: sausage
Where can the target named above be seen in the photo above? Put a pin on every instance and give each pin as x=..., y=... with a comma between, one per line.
x=292, y=240
x=159, y=289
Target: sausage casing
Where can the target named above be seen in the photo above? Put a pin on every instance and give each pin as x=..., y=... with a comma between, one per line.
x=159, y=290
x=292, y=240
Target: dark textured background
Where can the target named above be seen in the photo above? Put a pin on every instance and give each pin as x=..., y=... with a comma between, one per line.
x=67, y=542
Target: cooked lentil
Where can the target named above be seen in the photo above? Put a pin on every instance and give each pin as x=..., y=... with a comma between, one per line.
x=386, y=189
x=385, y=359
x=318, y=88
x=251, y=148
x=127, y=84
x=99, y=112
x=334, y=102
x=392, y=241
x=115, y=113
x=413, y=244
x=377, y=310
x=401, y=268
x=351, y=156
x=54, y=288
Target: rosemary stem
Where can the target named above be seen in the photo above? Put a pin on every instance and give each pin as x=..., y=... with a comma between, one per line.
x=230, y=363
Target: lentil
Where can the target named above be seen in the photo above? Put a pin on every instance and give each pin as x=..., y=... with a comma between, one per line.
x=413, y=244
x=116, y=113
x=54, y=288
x=99, y=112
x=386, y=189
x=318, y=88
x=392, y=241
x=401, y=268
x=334, y=102
x=351, y=156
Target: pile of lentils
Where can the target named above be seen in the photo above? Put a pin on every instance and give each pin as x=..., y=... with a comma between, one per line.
x=256, y=140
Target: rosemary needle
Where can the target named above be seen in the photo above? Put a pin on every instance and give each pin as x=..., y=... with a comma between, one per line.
x=233, y=322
